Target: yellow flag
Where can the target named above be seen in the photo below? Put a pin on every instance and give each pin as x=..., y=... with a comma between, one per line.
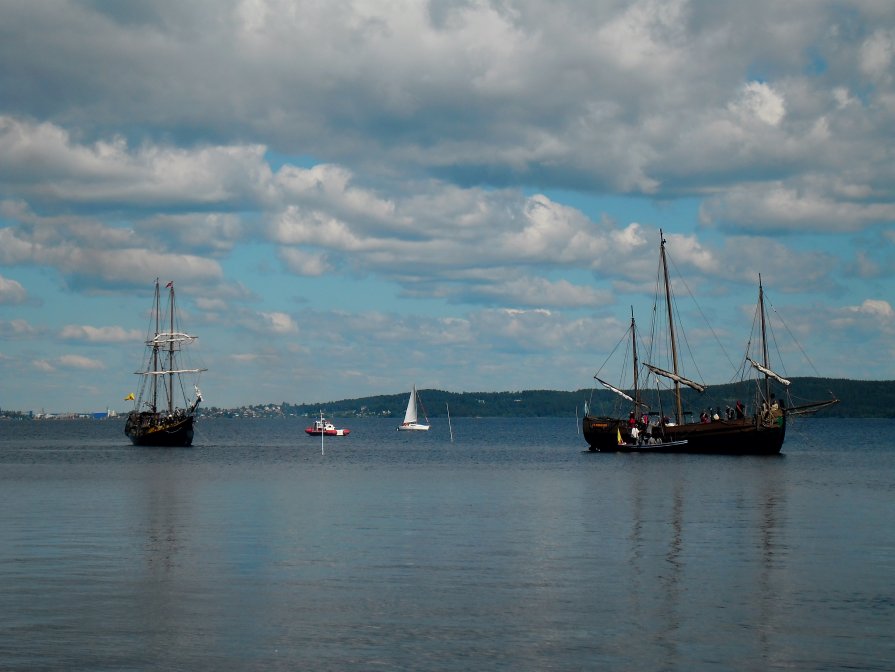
x=129, y=397
x=620, y=442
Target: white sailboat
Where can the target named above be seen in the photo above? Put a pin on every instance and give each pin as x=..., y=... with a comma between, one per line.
x=411, y=421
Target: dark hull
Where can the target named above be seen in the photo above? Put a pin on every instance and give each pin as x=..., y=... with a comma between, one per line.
x=154, y=429
x=724, y=437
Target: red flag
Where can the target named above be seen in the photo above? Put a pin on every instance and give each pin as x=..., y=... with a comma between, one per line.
x=170, y=284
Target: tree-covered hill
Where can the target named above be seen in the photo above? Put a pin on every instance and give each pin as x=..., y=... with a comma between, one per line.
x=858, y=399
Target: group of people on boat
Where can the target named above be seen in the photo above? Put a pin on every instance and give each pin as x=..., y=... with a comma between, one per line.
x=738, y=412
x=645, y=430
x=772, y=410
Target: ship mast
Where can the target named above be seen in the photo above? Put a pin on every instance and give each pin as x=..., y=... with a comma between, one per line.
x=155, y=363
x=171, y=352
x=677, y=384
x=764, y=341
x=636, y=365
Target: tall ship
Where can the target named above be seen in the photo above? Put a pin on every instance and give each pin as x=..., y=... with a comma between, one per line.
x=649, y=412
x=163, y=414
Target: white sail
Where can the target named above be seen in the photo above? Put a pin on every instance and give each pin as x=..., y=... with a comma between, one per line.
x=673, y=376
x=410, y=413
x=768, y=372
x=167, y=338
x=614, y=389
x=411, y=421
x=166, y=372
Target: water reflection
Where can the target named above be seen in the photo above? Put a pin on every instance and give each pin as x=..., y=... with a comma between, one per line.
x=772, y=498
x=167, y=513
x=706, y=541
x=165, y=591
x=671, y=579
x=503, y=554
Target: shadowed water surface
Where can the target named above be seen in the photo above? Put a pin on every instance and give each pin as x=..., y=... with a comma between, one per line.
x=510, y=548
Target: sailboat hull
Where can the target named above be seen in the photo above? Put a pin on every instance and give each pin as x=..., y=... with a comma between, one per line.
x=724, y=437
x=154, y=429
x=413, y=427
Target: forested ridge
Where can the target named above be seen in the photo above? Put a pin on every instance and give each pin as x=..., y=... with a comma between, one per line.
x=858, y=399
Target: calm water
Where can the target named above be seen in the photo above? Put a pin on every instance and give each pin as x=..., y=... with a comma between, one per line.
x=508, y=549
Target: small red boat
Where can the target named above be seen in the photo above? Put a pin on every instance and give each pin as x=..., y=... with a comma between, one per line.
x=326, y=428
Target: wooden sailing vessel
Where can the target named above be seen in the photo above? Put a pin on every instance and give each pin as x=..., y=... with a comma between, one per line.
x=157, y=420
x=658, y=429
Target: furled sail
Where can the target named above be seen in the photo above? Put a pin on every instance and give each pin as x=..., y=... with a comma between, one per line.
x=614, y=389
x=164, y=338
x=166, y=372
x=673, y=376
x=780, y=379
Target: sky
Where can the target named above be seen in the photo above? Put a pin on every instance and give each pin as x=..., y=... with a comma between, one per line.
x=355, y=196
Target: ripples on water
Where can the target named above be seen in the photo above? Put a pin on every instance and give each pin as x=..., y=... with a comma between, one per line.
x=510, y=548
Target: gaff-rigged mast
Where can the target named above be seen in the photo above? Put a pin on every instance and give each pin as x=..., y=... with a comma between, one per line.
x=764, y=342
x=679, y=409
x=637, y=402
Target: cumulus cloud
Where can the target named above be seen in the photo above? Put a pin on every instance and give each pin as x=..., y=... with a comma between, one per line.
x=43, y=366
x=463, y=245
x=79, y=362
x=510, y=232
x=17, y=328
x=297, y=226
x=877, y=53
x=211, y=304
x=303, y=262
x=93, y=252
x=445, y=88
x=90, y=334
x=214, y=234
x=541, y=292
x=279, y=323
x=776, y=206
x=11, y=291
x=760, y=101
x=495, y=156
x=877, y=308
x=785, y=270
x=870, y=315
x=62, y=170
x=384, y=349
x=330, y=186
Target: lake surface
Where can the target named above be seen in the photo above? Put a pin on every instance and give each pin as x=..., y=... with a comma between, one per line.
x=508, y=549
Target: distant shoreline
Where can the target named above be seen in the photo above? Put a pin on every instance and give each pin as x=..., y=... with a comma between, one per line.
x=858, y=399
